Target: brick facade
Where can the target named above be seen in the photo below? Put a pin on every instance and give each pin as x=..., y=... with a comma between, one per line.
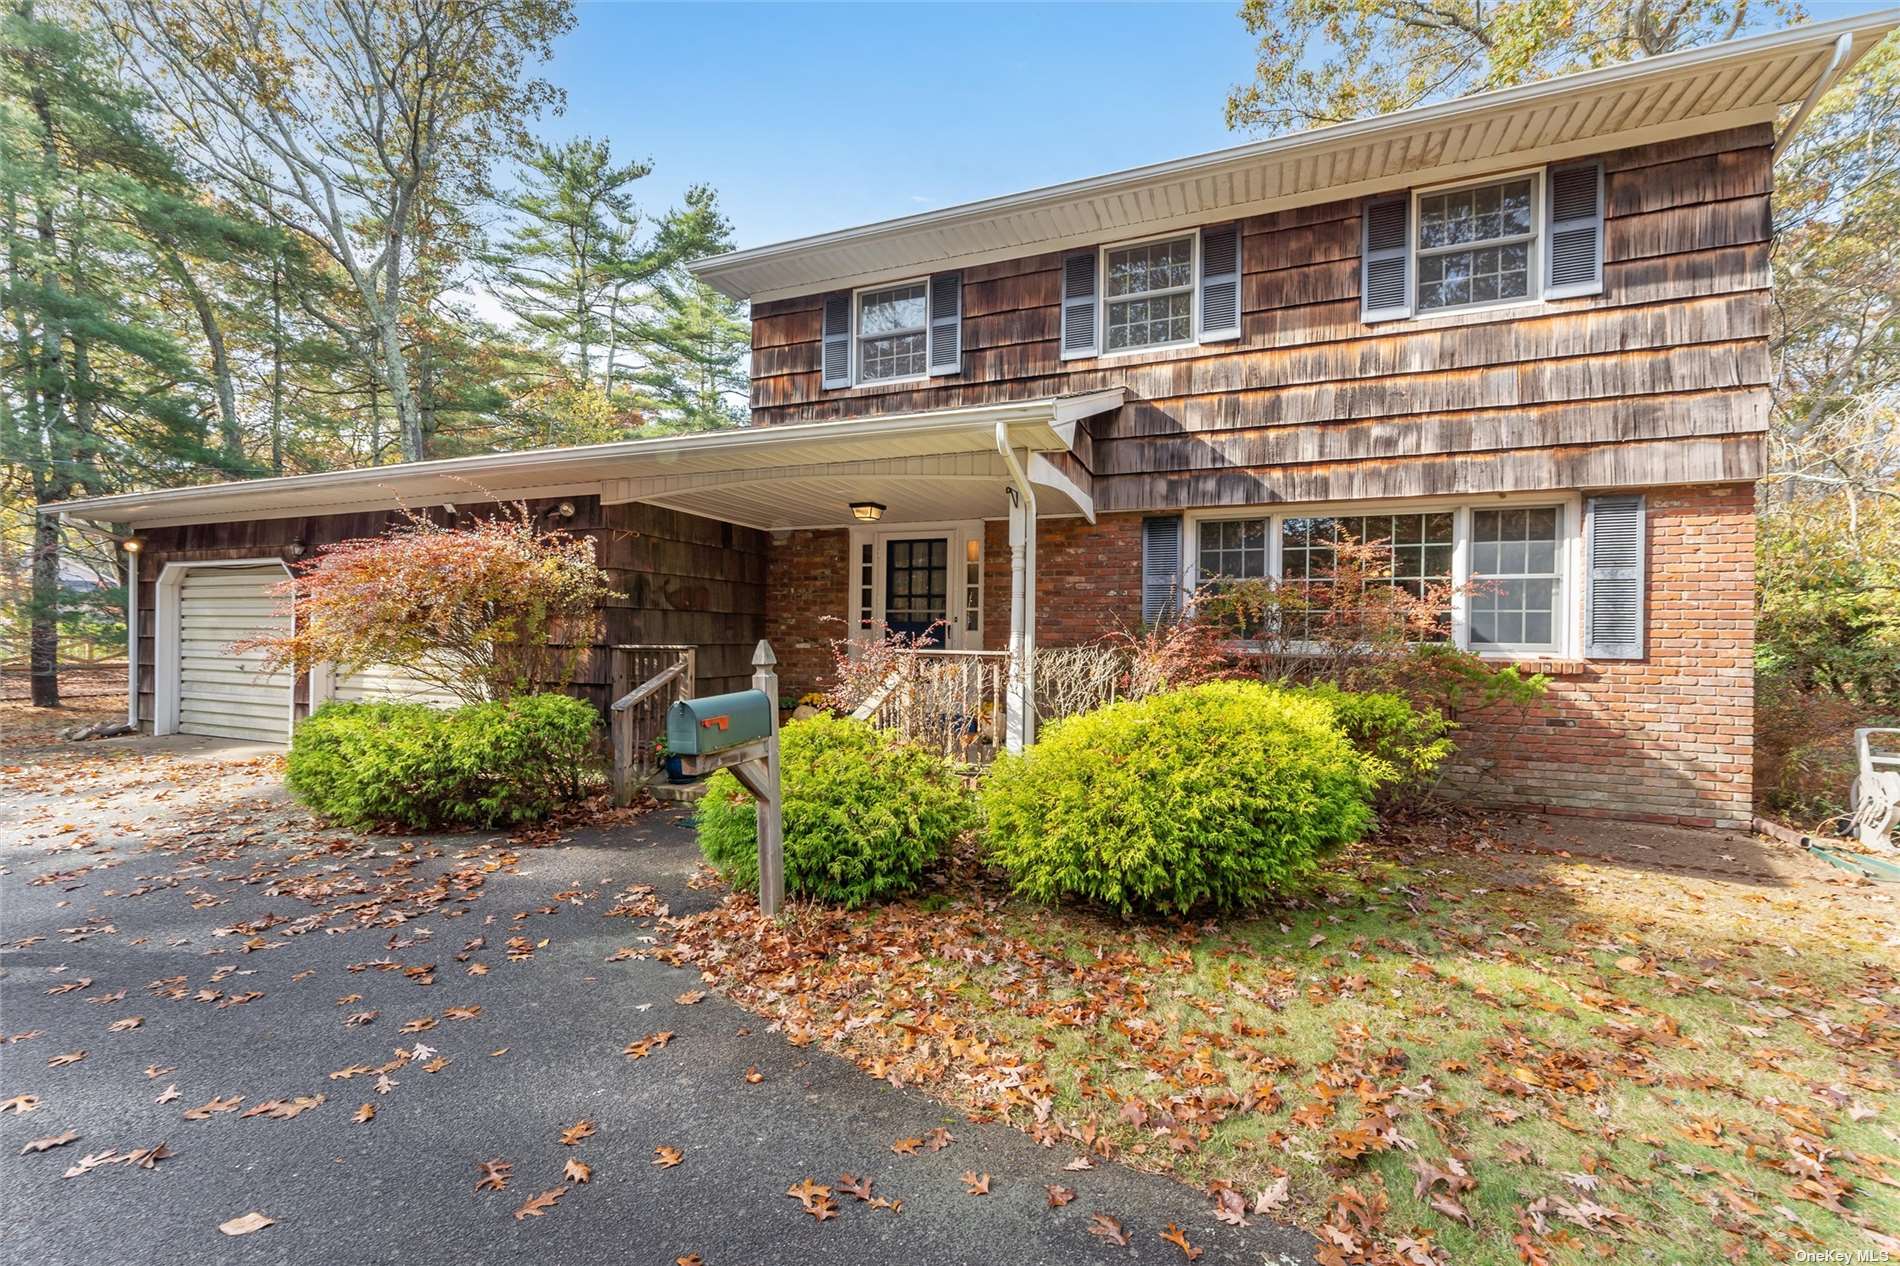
x=1667, y=738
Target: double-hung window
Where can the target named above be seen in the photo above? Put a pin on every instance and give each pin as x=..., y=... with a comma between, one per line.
x=1477, y=245
x=1506, y=568
x=892, y=332
x=1148, y=298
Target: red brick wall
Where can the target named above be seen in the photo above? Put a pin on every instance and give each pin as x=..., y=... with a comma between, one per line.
x=1666, y=738
x=807, y=583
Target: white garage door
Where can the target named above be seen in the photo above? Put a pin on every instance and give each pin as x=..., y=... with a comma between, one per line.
x=221, y=693
x=384, y=682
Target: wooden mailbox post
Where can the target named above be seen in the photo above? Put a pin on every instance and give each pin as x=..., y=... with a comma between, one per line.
x=755, y=765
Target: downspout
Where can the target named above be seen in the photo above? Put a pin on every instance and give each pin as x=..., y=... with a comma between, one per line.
x=1843, y=47
x=132, y=638
x=1022, y=594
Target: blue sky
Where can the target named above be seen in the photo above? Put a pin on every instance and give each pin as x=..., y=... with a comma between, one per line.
x=810, y=117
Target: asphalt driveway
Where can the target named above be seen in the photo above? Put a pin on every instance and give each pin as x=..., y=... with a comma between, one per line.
x=172, y=883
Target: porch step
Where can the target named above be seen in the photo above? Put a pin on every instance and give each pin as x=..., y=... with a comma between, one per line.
x=677, y=793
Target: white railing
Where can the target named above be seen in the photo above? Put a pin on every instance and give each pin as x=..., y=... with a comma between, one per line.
x=953, y=702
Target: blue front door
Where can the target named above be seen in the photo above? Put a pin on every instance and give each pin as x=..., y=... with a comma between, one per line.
x=917, y=587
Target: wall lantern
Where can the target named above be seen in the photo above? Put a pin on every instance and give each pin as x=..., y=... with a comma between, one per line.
x=132, y=545
x=295, y=550
x=867, y=511
x=565, y=510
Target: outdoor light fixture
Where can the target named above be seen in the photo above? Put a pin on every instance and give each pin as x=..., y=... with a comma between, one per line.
x=132, y=544
x=565, y=510
x=867, y=511
x=295, y=550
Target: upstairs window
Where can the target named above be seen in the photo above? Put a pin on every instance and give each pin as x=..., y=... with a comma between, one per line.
x=892, y=336
x=1149, y=294
x=1475, y=245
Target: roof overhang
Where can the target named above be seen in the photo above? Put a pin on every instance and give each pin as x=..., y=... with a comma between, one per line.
x=1732, y=84
x=931, y=447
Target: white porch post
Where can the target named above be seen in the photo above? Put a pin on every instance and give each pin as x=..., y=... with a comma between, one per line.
x=1020, y=708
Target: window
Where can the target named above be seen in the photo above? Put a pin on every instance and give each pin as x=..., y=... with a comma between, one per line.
x=891, y=332
x=1149, y=295
x=1516, y=578
x=972, y=585
x=1505, y=565
x=1476, y=244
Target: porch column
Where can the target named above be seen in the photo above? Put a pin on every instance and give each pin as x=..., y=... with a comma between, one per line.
x=1020, y=705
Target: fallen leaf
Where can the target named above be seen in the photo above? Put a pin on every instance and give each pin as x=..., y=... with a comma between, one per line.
x=907, y=1147
x=49, y=1142
x=246, y=1224
x=667, y=1157
x=70, y=1057
x=576, y=1171
x=538, y=1205
x=168, y=1094
x=753, y=1076
x=203, y=1112
x=573, y=1134
x=691, y=996
x=1102, y=1226
x=976, y=1184
x=23, y=1104
x=851, y=1186
x=1058, y=1194
x=365, y=1114
x=495, y=1175
x=130, y=1022
x=1176, y=1236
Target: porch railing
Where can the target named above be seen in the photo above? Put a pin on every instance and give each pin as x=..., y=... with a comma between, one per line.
x=950, y=701
x=646, y=682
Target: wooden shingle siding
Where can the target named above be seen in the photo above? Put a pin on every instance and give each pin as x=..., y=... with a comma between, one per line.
x=682, y=580
x=1662, y=378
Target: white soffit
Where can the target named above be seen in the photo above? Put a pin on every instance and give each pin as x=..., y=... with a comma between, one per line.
x=1046, y=424
x=1724, y=85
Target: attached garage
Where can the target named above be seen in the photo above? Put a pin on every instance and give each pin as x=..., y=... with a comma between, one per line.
x=384, y=682
x=204, y=686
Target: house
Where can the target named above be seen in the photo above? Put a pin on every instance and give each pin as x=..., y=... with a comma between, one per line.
x=1523, y=334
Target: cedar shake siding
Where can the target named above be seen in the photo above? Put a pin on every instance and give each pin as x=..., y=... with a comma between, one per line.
x=1659, y=380
x=682, y=580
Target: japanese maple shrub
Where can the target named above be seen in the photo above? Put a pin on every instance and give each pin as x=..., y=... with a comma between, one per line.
x=1213, y=798
x=413, y=767
x=490, y=610
x=865, y=817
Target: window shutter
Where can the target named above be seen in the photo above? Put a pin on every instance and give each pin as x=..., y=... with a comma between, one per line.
x=946, y=323
x=1613, y=601
x=1160, y=569
x=1078, y=305
x=837, y=340
x=1385, y=269
x=1220, y=283
x=1576, y=232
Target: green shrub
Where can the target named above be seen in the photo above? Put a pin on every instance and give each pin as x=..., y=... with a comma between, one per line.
x=1216, y=797
x=864, y=817
x=420, y=768
x=1408, y=741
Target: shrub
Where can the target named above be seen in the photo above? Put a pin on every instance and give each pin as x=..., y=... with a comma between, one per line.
x=1216, y=797
x=1408, y=741
x=864, y=817
x=421, y=768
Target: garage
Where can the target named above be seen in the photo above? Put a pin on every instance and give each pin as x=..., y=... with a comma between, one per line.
x=385, y=682
x=218, y=692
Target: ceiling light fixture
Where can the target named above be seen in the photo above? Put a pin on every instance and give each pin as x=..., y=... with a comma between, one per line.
x=867, y=511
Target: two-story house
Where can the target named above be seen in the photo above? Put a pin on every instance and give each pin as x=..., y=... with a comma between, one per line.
x=1522, y=336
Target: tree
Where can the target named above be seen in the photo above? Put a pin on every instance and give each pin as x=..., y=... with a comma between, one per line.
x=95, y=395
x=347, y=120
x=695, y=377
x=1329, y=61
x=489, y=611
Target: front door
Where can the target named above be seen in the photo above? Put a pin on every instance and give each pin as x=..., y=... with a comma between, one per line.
x=917, y=588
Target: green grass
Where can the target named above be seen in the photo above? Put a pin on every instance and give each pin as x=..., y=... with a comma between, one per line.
x=1624, y=1060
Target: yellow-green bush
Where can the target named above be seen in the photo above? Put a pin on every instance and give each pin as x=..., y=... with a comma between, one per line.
x=1213, y=798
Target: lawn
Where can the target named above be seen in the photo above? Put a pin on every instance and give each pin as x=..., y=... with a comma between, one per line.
x=1458, y=1049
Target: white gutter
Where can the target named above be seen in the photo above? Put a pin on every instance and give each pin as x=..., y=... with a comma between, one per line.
x=1843, y=48
x=1021, y=727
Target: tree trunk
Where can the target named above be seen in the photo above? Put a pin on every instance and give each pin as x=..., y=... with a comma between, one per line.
x=230, y=437
x=43, y=644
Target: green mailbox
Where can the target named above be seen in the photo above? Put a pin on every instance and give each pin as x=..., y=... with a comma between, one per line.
x=701, y=727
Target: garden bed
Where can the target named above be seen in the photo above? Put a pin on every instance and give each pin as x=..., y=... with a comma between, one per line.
x=1458, y=1049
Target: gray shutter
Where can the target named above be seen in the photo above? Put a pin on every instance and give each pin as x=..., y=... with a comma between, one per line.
x=1385, y=267
x=1613, y=599
x=946, y=323
x=1160, y=569
x=1078, y=305
x=1575, y=251
x=1220, y=283
x=838, y=340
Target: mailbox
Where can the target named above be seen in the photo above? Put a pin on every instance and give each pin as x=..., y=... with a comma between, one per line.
x=701, y=727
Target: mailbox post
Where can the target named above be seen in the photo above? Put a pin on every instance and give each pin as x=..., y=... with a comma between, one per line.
x=740, y=732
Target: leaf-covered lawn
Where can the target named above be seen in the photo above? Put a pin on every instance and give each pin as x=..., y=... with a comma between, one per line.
x=1451, y=1053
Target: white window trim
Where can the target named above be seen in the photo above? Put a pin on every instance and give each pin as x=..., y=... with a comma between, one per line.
x=1102, y=297
x=1567, y=643
x=956, y=533
x=857, y=303
x=1533, y=297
